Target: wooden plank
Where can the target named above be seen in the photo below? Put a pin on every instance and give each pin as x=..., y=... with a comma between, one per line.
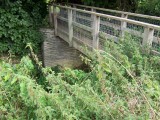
x=85, y=43
x=63, y=31
x=156, y=40
x=82, y=26
x=134, y=32
x=108, y=36
x=115, y=26
x=84, y=18
x=148, y=36
x=70, y=26
x=95, y=31
x=62, y=18
x=123, y=25
x=55, y=21
x=50, y=16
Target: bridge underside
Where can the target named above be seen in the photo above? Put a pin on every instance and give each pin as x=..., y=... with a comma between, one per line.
x=57, y=52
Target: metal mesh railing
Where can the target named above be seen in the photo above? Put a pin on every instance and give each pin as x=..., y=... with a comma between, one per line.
x=82, y=21
x=92, y=29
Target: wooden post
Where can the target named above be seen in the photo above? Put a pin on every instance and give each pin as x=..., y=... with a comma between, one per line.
x=70, y=26
x=74, y=14
x=50, y=16
x=123, y=25
x=93, y=10
x=95, y=32
x=55, y=20
x=148, y=36
x=92, y=16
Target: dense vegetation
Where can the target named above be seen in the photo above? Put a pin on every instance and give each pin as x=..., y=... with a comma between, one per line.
x=123, y=83
x=151, y=7
x=19, y=23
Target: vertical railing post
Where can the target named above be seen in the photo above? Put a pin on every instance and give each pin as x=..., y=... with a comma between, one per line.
x=70, y=26
x=95, y=32
x=50, y=16
x=93, y=10
x=74, y=14
x=123, y=25
x=148, y=36
x=55, y=20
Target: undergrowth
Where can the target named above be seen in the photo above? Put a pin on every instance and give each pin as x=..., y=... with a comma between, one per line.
x=18, y=27
x=123, y=84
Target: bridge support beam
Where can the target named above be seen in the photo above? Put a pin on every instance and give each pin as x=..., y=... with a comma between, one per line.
x=55, y=20
x=74, y=14
x=148, y=37
x=95, y=32
x=50, y=15
x=123, y=25
x=70, y=26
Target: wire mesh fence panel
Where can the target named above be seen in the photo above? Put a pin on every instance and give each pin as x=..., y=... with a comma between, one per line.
x=62, y=29
x=136, y=31
x=109, y=29
x=82, y=35
x=156, y=40
x=62, y=24
x=134, y=27
x=63, y=13
x=82, y=18
x=82, y=25
x=146, y=20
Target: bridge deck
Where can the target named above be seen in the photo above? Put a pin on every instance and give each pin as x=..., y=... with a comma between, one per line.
x=57, y=52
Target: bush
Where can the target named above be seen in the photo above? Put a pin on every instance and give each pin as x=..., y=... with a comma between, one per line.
x=123, y=84
x=17, y=29
x=150, y=7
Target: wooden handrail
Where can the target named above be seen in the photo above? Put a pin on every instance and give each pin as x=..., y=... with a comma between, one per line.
x=148, y=25
x=147, y=33
x=116, y=11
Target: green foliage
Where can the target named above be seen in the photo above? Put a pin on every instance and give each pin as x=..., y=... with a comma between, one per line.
x=123, y=84
x=17, y=29
x=151, y=7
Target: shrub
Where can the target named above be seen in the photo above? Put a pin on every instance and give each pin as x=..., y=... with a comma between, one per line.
x=17, y=29
x=123, y=84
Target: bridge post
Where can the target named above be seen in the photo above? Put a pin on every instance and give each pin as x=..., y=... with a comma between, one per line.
x=70, y=26
x=74, y=14
x=55, y=20
x=95, y=32
x=148, y=36
x=50, y=15
x=93, y=10
x=123, y=25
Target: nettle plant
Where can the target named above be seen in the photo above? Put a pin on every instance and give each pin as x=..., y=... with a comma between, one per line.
x=122, y=84
x=17, y=29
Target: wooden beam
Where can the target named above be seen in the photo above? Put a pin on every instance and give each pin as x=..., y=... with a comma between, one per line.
x=123, y=25
x=148, y=36
x=156, y=27
x=50, y=16
x=55, y=20
x=95, y=32
x=70, y=26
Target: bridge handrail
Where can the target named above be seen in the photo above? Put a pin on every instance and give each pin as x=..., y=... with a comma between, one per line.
x=115, y=11
x=148, y=32
x=152, y=26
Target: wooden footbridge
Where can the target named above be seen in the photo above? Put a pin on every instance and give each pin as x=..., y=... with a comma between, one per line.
x=81, y=25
